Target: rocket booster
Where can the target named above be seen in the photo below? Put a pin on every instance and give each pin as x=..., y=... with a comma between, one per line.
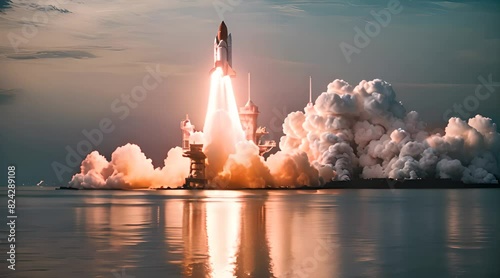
x=223, y=51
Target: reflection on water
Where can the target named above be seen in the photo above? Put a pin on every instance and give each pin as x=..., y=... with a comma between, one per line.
x=468, y=230
x=223, y=236
x=365, y=233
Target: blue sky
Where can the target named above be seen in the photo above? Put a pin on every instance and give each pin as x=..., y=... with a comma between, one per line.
x=62, y=78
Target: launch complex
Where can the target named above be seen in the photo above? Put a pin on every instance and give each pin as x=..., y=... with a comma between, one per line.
x=248, y=116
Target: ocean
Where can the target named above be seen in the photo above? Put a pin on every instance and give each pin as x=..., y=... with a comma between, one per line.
x=255, y=233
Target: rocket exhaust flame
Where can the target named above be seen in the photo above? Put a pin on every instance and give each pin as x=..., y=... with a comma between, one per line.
x=222, y=129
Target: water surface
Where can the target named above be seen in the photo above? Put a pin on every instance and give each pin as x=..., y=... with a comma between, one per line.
x=329, y=233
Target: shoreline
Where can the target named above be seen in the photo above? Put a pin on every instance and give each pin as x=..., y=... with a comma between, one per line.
x=353, y=184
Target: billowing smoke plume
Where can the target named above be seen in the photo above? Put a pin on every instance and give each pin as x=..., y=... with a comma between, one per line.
x=349, y=132
x=365, y=132
x=130, y=169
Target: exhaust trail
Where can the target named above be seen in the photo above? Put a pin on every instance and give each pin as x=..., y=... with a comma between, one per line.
x=222, y=129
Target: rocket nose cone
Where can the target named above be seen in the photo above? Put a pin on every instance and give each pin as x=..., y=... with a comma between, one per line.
x=222, y=25
x=222, y=33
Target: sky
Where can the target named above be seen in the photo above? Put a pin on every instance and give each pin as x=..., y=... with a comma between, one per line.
x=68, y=66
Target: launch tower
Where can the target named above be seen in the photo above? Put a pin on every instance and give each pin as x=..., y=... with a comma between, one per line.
x=196, y=178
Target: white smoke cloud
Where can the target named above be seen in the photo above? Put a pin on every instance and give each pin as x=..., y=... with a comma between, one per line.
x=349, y=132
x=365, y=132
x=292, y=169
x=244, y=168
x=129, y=168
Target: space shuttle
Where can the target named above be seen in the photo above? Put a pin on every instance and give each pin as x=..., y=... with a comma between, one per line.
x=223, y=52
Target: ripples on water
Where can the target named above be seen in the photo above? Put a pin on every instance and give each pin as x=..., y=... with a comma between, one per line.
x=330, y=233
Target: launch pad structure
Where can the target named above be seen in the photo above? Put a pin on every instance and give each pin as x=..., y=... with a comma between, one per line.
x=196, y=178
x=249, y=115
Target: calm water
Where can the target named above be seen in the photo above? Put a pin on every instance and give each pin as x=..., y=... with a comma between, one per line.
x=331, y=233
